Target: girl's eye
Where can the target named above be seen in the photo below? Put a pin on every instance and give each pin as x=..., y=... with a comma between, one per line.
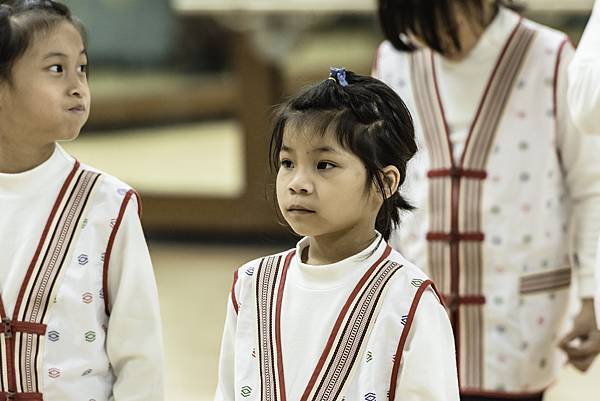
x=325, y=165
x=286, y=163
x=56, y=68
x=83, y=68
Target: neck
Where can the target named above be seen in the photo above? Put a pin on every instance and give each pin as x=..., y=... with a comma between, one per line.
x=17, y=157
x=331, y=248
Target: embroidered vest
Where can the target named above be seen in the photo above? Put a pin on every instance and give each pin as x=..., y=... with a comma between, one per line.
x=491, y=228
x=352, y=365
x=53, y=347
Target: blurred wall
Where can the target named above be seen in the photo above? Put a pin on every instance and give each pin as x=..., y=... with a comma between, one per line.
x=128, y=31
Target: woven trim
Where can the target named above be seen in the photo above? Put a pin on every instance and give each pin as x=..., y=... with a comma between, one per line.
x=552, y=280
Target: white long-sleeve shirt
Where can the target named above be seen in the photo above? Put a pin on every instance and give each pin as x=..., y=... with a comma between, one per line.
x=584, y=94
x=314, y=296
x=584, y=74
x=133, y=338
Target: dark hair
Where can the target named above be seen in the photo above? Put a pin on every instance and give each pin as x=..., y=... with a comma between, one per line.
x=368, y=119
x=20, y=20
x=432, y=20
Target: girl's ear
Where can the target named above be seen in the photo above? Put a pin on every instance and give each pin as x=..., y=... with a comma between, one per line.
x=391, y=179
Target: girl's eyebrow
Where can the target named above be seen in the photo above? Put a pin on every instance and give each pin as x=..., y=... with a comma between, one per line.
x=63, y=55
x=322, y=149
x=325, y=149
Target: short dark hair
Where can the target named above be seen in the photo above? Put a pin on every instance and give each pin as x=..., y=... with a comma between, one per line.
x=368, y=119
x=20, y=20
x=432, y=20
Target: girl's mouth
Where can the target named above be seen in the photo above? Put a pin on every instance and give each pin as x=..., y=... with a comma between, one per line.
x=299, y=209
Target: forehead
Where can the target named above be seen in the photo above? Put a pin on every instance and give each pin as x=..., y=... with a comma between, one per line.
x=62, y=38
x=296, y=136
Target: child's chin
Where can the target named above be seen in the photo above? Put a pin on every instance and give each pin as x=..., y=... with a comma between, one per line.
x=69, y=136
x=301, y=230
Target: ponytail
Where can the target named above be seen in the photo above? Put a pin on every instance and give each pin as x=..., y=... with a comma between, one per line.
x=388, y=217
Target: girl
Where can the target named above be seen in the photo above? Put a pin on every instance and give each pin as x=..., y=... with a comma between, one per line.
x=79, y=306
x=342, y=316
x=503, y=178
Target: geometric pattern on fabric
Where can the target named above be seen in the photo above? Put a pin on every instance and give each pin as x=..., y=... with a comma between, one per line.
x=22, y=339
x=346, y=340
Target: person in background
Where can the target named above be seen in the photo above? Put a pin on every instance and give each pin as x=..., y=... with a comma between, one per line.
x=584, y=77
x=507, y=189
x=584, y=94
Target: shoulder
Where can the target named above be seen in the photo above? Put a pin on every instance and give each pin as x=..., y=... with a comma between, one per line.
x=410, y=273
x=387, y=53
x=243, y=278
x=113, y=193
x=388, y=60
x=412, y=284
x=386, y=49
x=550, y=38
x=244, y=275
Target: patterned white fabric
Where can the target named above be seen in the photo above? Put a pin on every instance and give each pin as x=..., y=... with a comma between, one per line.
x=86, y=354
x=316, y=296
x=542, y=184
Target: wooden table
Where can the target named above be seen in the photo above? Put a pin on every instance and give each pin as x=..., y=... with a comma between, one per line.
x=203, y=7
x=259, y=83
x=260, y=86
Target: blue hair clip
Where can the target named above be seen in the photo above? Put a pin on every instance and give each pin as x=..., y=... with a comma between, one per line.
x=338, y=75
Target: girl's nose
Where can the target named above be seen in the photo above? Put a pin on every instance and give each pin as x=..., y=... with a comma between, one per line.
x=300, y=184
x=75, y=92
x=78, y=86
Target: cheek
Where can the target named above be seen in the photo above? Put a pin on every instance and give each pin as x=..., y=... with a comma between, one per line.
x=87, y=93
x=280, y=185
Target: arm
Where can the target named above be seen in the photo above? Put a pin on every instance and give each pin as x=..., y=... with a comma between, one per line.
x=226, y=384
x=584, y=74
x=134, y=335
x=597, y=303
x=581, y=169
x=428, y=370
x=579, y=154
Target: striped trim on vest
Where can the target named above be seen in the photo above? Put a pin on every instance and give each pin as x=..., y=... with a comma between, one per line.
x=21, y=339
x=552, y=280
x=346, y=340
x=455, y=235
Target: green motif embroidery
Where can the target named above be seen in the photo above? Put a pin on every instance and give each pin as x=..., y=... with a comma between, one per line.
x=246, y=391
x=417, y=282
x=369, y=356
x=90, y=336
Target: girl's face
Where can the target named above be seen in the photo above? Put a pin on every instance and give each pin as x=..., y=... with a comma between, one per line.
x=321, y=187
x=48, y=98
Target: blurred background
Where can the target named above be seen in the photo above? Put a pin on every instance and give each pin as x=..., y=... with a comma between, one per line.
x=181, y=95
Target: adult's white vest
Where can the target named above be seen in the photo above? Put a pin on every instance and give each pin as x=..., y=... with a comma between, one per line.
x=362, y=356
x=53, y=346
x=491, y=228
